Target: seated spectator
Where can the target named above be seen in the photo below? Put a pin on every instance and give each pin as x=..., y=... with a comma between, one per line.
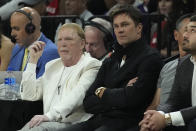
x=179, y=111
x=99, y=39
x=25, y=24
x=7, y=9
x=167, y=74
x=53, y=8
x=75, y=7
x=171, y=10
x=64, y=83
x=5, y=50
x=116, y=104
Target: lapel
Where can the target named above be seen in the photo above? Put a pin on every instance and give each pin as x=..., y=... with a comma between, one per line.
x=53, y=84
x=17, y=58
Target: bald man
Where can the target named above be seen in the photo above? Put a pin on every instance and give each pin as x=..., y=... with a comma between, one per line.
x=25, y=25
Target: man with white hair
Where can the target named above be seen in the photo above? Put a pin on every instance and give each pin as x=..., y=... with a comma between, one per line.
x=99, y=40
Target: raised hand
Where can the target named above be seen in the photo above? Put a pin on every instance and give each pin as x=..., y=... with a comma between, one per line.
x=35, y=51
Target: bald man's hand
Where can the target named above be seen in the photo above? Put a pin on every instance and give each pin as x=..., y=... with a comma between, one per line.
x=35, y=51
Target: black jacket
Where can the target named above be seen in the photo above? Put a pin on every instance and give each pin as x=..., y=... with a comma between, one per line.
x=118, y=100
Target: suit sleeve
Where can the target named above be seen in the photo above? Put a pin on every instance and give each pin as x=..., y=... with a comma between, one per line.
x=92, y=103
x=141, y=91
x=132, y=96
x=188, y=114
x=31, y=88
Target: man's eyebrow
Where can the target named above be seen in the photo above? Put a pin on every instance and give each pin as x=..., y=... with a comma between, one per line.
x=193, y=26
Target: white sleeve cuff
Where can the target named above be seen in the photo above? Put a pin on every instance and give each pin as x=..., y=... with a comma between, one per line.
x=53, y=116
x=31, y=67
x=177, y=119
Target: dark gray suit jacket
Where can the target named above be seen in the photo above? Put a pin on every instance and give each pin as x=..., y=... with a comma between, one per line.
x=181, y=93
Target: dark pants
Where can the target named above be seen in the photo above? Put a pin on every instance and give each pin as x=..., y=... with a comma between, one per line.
x=192, y=125
x=100, y=123
x=173, y=128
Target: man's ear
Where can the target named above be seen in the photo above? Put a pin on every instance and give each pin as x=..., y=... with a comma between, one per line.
x=139, y=28
x=83, y=42
x=176, y=35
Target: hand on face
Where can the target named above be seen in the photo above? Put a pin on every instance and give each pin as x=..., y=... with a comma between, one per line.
x=35, y=51
x=152, y=121
x=37, y=120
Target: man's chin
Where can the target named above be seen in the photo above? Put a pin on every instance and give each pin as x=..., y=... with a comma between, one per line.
x=20, y=44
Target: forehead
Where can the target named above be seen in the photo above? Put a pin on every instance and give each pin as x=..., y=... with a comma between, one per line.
x=121, y=18
x=68, y=31
x=183, y=23
x=191, y=24
x=91, y=29
x=17, y=18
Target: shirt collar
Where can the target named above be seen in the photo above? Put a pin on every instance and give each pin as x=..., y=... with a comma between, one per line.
x=192, y=59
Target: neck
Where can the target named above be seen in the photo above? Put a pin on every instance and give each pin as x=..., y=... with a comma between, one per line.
x=72, y=61
x=181, y=52
x=33, y=38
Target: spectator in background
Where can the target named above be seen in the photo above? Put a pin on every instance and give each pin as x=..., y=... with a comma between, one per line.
x=171, y=10
x=99, y=39
x=100, y=7
x=64, y=83
x=5, y=50
x=7, y=9
x=25, y=24
x=74, y=7
x=53, y=7
x=116, y=104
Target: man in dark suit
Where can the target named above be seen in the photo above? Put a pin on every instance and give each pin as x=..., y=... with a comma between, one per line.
x=180, y=110
x=116, y=104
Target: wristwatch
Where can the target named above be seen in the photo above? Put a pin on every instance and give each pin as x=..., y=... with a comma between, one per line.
x=98, y=90
x=168, y=119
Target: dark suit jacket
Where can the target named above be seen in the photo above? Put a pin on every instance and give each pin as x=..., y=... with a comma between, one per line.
x=180, y=97
x=118, y=100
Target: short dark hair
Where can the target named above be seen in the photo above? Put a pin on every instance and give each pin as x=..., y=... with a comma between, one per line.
x=180, y=19
x=193, y=18
x=131, y=11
